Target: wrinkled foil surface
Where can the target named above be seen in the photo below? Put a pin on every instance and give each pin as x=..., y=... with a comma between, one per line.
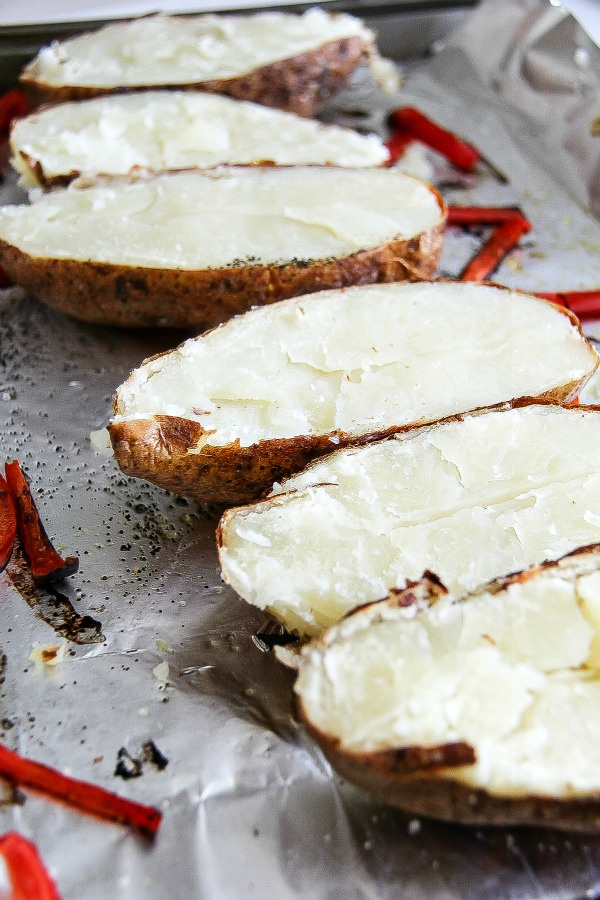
x=153, y=647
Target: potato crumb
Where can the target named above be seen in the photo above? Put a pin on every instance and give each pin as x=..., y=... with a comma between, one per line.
x=161, y=673
x=48, y=654
x=414, y=826
x=100, y=440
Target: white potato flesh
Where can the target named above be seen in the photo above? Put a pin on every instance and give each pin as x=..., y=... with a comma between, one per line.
x=512, y=673
x=359, y=360
x=162, y=130
x=469, y=500
x=416, y=160
x=163, y=50
x=224, y=217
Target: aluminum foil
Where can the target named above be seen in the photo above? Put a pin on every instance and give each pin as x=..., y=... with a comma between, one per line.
x=152, y=647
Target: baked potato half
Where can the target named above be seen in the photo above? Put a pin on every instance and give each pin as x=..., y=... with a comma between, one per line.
x=225, y=415
x=483, y=710
x=470, y=498
x=190, y=249
x=286, y=60
x=162, y=131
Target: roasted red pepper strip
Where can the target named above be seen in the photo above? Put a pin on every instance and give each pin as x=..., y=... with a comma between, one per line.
x=397, y=144
x=82, y=795
x=13, y=105
x=585, y=304
x=45, y=563
x=29, y=878
x=483, y=215
x=500, y=242
x=456, y=151
x=8, y=524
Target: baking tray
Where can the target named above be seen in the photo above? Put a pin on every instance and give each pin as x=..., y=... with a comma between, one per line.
x=153, y=646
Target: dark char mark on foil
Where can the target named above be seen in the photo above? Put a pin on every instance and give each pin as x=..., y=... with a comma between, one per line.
x=129, y=766
x=53, y=607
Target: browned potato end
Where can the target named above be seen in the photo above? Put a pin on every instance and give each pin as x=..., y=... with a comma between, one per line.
x=402, y=696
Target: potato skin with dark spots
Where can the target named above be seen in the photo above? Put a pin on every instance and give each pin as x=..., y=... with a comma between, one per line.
x=158, y=449
x=431, y=791
x=140, y=297
x=164, y=450
x=419, y=779
x=300, y=84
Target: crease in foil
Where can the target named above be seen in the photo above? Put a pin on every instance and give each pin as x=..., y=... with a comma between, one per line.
x=540, y=72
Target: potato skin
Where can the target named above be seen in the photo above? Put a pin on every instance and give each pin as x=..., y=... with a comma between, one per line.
x=139, y=296
x=158, y=450
x=429, y=790
x=45, y=182
x=300, y=84
x=418, y=779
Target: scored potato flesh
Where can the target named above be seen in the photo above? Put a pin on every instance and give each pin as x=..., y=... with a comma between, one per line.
x=224, y=217
x=514, y=673
x=162, y=130
x=360, y=360
x=164, y=50
x=468, y=499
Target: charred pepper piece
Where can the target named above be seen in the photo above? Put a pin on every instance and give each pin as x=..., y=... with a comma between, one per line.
x=8, y=524
x=397, y=144
x=498, y=245
x=416, y=123
x=457, y=151
x=29, y=878
x=86, y=797
x=585, y=304
x=46, y=564
x=467, y=216
x=13, y=105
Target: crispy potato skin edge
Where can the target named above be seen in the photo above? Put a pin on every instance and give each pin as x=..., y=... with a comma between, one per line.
x=158, y=450
x=300, y=84
x=418, y=780
x=433, y=793
x=136, y=296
